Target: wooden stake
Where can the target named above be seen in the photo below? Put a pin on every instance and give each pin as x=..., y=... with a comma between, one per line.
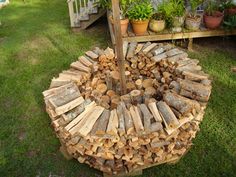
x=119, y=44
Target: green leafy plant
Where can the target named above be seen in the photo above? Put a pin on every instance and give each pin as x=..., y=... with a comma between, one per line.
x=124, y=7
x=194, y=5
x=230, y=22
x=140, y=10
x=178, y=8
x=211, y=7
x=105, y=4
x=226, y=4
x=164, y=12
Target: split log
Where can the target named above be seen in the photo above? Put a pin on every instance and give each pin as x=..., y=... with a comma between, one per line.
x=109, y=53
x=159, y=57
x=195, y=76
x=60, y=109
x=195, y=90
x=120, y=114
x=138, y=48
x=136, y=119
x=156, y=126
x=92, y=55
x=85, y=61
x=180, y=103
x=158, y=51
x=113, y=123
x=190, y=67
x=129, y=125
x=168, y=116
x=125, y=48
x=88, y=109
x=147, y=83
x=57, y=82
x=78, y=65
x=153, y=108
x=149, y=48
x=131, y=50
x=130, y=86
x=147, y=116
x=102, y=88
x=136, y=96
x=90, y=121
x=101, y=126
x=139, y=84
x=126, y=99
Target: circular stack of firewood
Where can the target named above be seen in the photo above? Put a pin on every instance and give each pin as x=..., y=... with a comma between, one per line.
x=153, y=123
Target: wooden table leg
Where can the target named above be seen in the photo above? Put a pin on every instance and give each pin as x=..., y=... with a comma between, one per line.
x=190, y=44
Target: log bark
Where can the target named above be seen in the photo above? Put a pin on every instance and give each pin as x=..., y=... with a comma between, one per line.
x=180, y=103
x=195, y=90
x=147, y=116
x=129, y=125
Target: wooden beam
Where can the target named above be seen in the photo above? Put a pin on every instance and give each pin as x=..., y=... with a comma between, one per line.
x=119, y=45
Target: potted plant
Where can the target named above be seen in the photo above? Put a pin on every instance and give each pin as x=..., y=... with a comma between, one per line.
x=212, y=16
x=124, y=5
x=229, y=7
x=157, y=23
x=139, y=13
x=178, y=14
x=124, y=21
x=193, y=20
x=158, y=19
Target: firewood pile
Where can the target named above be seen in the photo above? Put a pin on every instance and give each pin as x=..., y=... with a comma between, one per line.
x=151, y=124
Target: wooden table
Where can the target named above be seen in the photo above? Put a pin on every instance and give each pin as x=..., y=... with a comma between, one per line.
x=169, y=35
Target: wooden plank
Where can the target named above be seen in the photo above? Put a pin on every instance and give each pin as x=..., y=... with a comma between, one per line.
x=182, y=35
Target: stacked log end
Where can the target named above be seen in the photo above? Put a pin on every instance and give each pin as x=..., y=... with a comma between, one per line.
x=153, y=123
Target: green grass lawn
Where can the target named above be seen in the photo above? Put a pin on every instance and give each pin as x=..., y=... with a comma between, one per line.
x=36, y=44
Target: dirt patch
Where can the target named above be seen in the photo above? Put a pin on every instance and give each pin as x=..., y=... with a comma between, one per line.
x=34, y=48
x=32, y=153
x=21, y=135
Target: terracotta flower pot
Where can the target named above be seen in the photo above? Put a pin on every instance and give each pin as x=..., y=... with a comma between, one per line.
x=139, y=26
x=230, y=11
x=192, y=23
x=213, y=21
x=157, y=25
x=124, y=25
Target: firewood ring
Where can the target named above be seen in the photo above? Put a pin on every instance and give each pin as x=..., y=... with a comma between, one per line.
x=154, y=123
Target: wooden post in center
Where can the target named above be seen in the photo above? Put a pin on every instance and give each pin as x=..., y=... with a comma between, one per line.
x=119, y=45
